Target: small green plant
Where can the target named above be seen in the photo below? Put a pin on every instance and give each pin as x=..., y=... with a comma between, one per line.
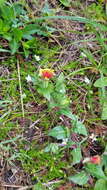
x=53, y=138
x=100, y=67
x=18, y=28
x=96, y=12
x=54, y=90
x=93, y=166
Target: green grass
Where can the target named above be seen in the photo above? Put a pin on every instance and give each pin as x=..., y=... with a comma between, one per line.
x=26, y=116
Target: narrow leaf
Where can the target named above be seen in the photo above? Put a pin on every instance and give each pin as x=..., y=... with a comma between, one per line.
x=66, y=3
x=4, y=50
x=101, y=27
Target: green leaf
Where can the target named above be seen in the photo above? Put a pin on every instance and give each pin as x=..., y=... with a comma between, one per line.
x=95, y=170
x=52, y=147
x=4, y=50
x=68, y=113
x=66, y=3
x=4, y=103
x=45, y=87
x=77, y=156
x=39, y=186
x=101, y=27
x=8, y=36
x=14, y=46
x=59, y=100
x=59, y=132
x=7, y=13
x=60, y=86
x=104, y=111
x=5, y=28
x=2, y=2
x=17, y=34
x=101, y=184
x=101, y=82
x=105, y=157
x=89, y=55
x=32, y=29
x=1, y=24
x=45, y=92
x=26, y=52
x=80, y=178
x=19, y=10
x=46, y=9
x=79, y=128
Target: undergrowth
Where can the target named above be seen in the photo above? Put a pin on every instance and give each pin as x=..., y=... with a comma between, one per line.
x=53, y=105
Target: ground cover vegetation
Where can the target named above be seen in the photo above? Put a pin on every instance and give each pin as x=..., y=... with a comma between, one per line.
x=53, y=95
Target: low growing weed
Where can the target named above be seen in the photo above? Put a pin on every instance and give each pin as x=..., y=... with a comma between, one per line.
x=53, y=141
x=16, y=27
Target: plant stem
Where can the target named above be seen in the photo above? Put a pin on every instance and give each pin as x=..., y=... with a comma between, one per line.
x=20, y=87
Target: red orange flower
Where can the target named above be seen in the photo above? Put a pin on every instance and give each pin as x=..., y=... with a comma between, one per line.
x=46, y=73
x=95, y=159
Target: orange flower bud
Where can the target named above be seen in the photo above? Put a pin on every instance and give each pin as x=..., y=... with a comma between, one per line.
x=95, y=159
x=46, y=73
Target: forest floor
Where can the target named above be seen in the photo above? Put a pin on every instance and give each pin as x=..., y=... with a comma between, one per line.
x=53, y=126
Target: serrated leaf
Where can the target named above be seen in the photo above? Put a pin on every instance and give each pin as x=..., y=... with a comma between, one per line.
x=101, y=82
x=59, y=132
x=101, y=184
x=77, y=156
x=95, y=170
x=80, y=178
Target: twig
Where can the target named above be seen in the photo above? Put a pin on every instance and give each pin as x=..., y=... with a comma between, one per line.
x=44, y=184
x=52, y=182
x=26, y=187
x=33, y=124
x=13, y=186
x=20, y=87
x=29, y=186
